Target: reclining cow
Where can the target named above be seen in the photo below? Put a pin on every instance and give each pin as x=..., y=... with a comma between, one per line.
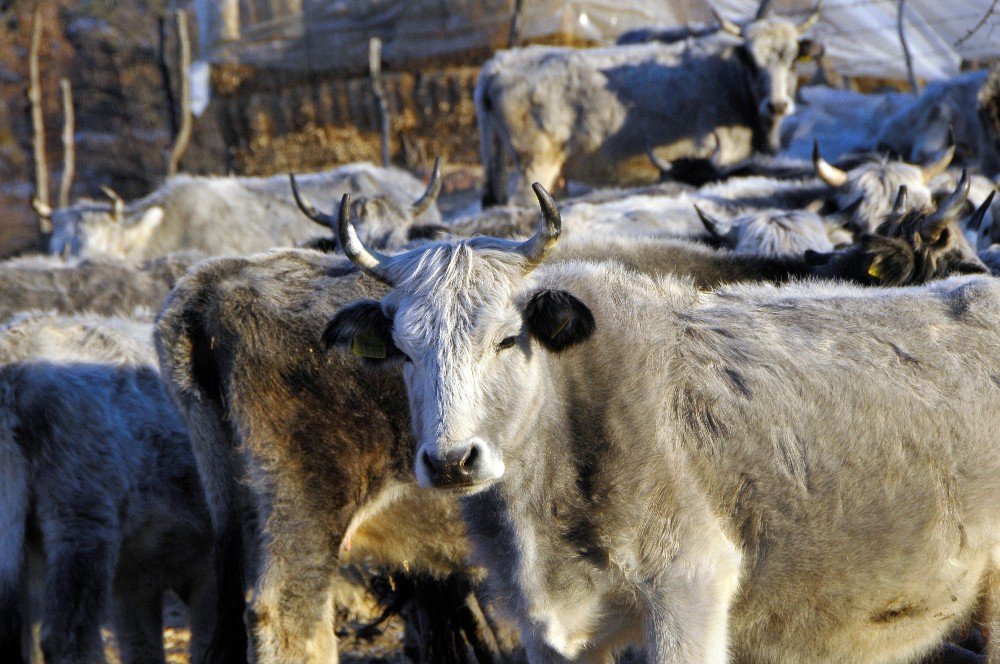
x=589, y=110
x=870, y=186
x=796, y=474
x=98, y=481
x=227, y=216
x=102, y=286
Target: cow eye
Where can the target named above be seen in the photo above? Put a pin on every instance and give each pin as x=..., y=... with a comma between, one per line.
x=509, y=342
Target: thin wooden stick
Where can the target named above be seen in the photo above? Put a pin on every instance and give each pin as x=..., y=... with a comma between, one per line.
x=41, y=202
x=187, y=121
x=906, y=49
x=69, y=142
x=378, y=92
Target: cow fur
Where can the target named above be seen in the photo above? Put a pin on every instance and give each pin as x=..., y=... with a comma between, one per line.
x=101, y=286
x=678, y=480
x=590, y=110
x=221, y=216
x=99, y=484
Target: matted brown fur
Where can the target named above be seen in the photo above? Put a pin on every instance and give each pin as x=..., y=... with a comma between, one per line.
x=306, y=457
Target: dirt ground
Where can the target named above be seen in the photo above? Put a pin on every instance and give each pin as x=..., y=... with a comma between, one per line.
x=358, y=644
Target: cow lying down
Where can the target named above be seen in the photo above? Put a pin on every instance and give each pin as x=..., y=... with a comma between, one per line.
x=806, y=473
x=100, y=503
x=104, y=286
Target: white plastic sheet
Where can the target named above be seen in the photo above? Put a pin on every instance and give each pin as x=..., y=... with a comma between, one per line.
x=860, y=36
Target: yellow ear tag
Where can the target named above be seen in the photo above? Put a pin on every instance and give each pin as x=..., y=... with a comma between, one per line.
x=370, y=347
x=875, y=269
x=561, y=328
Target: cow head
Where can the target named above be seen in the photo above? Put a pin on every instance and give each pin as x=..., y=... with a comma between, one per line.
x=909, y=247
x=385, y=222
x=769, y=49
x=93, y=229
x=464, y=320
x=770, y=232
x=872, y=185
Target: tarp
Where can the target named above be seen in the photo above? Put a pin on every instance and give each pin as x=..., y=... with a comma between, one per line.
x=860, y=36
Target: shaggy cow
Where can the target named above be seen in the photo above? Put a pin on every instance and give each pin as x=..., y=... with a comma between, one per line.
x=773, y=233
x=100, y=286
x=875, y=183
x=231, y=215
x=295, y=489
x=97, y=481
x=943, y=114
x=796, y=474
x=591, y=109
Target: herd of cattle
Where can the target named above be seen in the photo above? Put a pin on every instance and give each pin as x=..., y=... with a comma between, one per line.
x=746, y=413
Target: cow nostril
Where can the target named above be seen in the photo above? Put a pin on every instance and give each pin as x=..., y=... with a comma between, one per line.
x=469, y=460
x=429, y=464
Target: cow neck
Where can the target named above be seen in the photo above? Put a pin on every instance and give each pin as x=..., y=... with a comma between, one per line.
x=740, y=79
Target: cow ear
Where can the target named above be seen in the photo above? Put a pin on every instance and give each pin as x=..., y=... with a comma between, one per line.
x=363, y=329
x=814, y=258
x=810, y=49
x=140, y=233
x=745, y=57
x=887, y=261
x=558, y=319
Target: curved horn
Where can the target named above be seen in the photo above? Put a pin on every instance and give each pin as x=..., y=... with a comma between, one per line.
x=900, y=203
x=711, y=225
x=726, y=25
x=663, y=166
x=939, y=164
x=433, y=190
x=308, y=209
x=975, y=222
x=117, y=203
x=717, y=150
x=811, y=20
x=826, y=171
x=538, y=246
x=762, y=9
x=948, y=210
x=370, y=261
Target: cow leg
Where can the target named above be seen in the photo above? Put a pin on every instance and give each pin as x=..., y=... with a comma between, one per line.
x=13, y=516
x=543, y=167
x=200, y=595
x=80, y=562
x=291, y=615
x=138, y=621
x=992, y=610
x=688, y=611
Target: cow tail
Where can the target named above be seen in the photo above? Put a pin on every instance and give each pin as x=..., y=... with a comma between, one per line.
x=491, y=146
x=14, y=502
x=192, y=373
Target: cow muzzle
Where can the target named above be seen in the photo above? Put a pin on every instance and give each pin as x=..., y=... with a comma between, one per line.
x=468, y=467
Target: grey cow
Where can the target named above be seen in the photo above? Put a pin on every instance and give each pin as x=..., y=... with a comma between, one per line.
x=589, y=110
x=229, y=215
x=99, y=491
x=760, y=474
x=104, y=286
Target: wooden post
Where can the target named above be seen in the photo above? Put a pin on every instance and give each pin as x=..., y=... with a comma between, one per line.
x=41, y=202
x=163, y=62
x=906, y=49
x=514, y=35
x=762, y=9
x=378, y=93
x=69, y=143
x=184, y=133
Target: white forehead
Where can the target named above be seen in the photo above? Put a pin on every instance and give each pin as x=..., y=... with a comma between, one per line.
x=883, y=179
x=772, y=38
x=447, y=288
